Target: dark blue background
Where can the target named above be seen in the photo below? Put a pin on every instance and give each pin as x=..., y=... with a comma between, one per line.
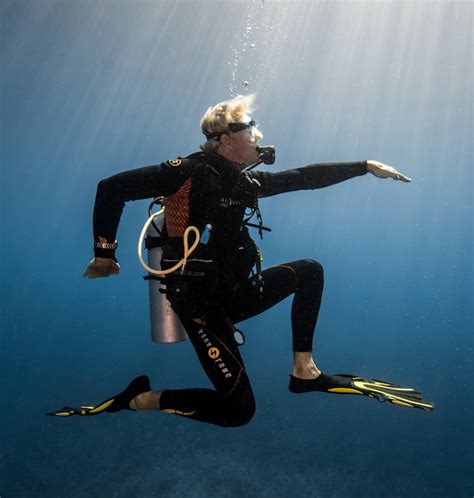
x=93, y=88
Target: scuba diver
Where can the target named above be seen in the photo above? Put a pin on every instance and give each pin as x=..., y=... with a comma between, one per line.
x=210, y=197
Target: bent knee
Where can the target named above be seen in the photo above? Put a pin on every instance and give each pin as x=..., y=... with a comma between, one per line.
x=310, y=268
x=240, y=411
x=247, y=414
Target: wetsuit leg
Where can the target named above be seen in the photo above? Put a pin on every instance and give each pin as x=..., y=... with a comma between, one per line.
x=232, y=403
x=304, y=278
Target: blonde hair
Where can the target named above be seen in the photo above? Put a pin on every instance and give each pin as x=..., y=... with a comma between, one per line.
x=217, y=118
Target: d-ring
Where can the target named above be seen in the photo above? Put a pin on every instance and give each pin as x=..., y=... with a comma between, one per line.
x=240, y=334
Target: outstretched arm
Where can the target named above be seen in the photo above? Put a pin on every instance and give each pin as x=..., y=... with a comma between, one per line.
x=307, y=178
x=320, y=175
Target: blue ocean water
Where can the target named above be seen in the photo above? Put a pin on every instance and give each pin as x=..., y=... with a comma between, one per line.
x=89, y=89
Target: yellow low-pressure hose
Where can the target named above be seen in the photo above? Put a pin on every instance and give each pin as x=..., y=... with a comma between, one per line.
x=187, y=250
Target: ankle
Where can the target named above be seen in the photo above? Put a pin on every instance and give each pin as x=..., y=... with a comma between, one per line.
x=146, y=401
x=304, y=365
x=133, y=404
x=310, y=372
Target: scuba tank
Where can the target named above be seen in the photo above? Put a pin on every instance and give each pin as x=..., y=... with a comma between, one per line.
x=166, y=327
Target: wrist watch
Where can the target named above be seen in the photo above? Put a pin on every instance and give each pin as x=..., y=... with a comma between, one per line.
x=103, y=244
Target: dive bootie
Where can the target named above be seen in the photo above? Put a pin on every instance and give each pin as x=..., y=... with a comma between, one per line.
x=118, y=402
x=353, y=384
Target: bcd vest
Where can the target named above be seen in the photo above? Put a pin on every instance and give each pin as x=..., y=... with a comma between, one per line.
x=215, y=194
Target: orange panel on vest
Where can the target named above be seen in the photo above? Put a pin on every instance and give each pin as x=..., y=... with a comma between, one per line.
x=177, y=211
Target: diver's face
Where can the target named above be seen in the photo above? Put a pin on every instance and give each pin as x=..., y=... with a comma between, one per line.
x=240, y=143
x=244, y=144
x=245, y=147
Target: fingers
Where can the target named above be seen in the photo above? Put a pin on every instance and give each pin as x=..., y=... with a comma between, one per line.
x=395, y=175
x=88, y=274
x=101, y=274
x=405, y=179
x=399, y=177
x=95, y=270
x=383, y=171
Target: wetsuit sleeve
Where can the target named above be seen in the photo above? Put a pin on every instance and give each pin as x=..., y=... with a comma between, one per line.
x=142, y=183
x=307, y=178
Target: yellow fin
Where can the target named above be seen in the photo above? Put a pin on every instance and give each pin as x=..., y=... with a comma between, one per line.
x=401, y=403
x=177, y=412
x=343, y=390
x=102, y=407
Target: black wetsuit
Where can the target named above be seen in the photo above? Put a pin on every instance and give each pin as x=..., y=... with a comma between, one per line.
x=208, y=317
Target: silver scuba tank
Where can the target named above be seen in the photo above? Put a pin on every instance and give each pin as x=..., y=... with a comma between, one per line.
x=166, y=327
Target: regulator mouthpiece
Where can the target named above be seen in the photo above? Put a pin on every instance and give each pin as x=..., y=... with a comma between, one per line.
x=266, y=154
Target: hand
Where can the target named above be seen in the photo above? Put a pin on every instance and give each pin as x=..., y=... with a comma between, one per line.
x=381, y=170
x=101, y=267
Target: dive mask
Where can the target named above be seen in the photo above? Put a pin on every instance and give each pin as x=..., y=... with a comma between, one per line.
x=233, y=128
